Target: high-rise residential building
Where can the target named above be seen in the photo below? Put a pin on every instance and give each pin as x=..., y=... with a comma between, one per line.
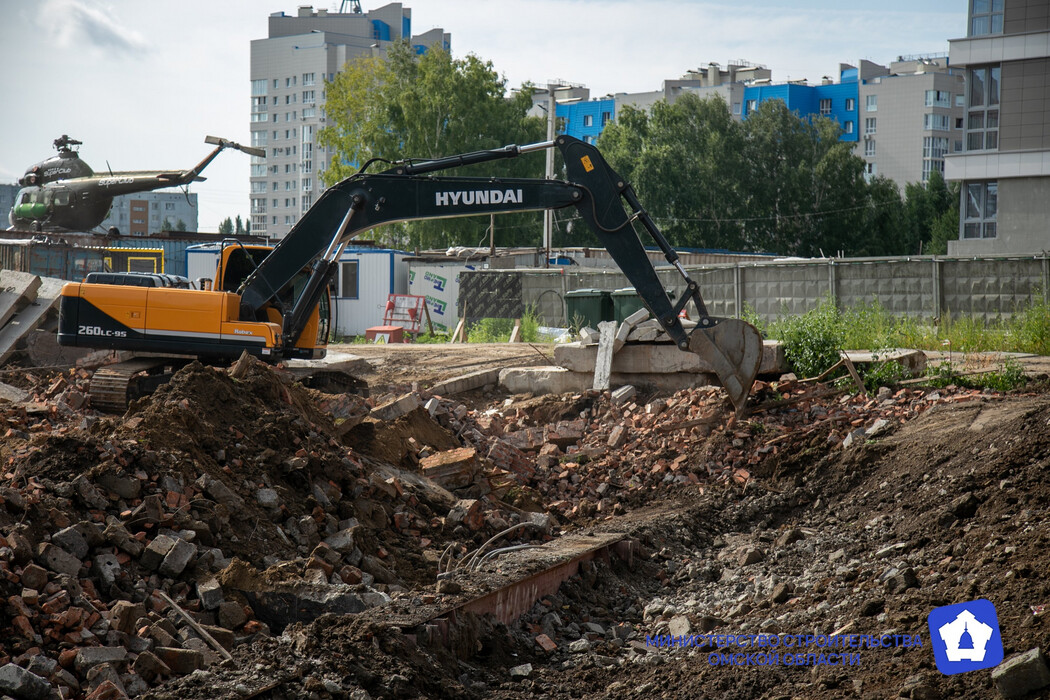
x=1004, y=168
x=288, y=73
x=146, y=213
x=910, y=116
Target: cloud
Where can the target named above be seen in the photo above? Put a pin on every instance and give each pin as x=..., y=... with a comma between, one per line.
x=73, y=24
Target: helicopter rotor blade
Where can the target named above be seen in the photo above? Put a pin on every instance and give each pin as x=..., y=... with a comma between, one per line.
x=225, y=143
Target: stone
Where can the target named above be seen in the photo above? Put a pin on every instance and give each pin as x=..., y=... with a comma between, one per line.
x=782, y=592
x=34, y=577
x=124, y=614
x=603, y=361
x=20, y=683
x=467, y=512
x=89, y=657
x=107, y=568
x=679, y=625
x=210, y=593
x=118, y=535
x=180, y=661
x=447, y=586
x=451, y=469
x=124, y=485
x=521, y=672
x=624, y=394
x=155, y=551
x=219, y=491
x=150, y=667
x=231, y=615
x=617, y=437
x=580, y=646
x=398, y=407
x=342, y=541
x=1021, y=674
x=58, y=560
x=750, y=556
x=267, y=498
x=902, y=581
x=177, y=558
x=790, y=537
x=72, y=541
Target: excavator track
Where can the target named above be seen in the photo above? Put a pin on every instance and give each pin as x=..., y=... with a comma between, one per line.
x=114, y=387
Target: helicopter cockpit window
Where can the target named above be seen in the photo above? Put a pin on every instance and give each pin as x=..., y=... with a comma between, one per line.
x=62, y=198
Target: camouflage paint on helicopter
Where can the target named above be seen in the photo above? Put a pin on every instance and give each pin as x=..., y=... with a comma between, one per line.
x=63, y=193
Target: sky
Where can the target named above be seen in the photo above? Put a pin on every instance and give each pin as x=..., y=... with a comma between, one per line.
x=142, y=82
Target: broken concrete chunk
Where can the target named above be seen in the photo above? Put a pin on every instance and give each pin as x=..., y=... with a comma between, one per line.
x=20, y=683
x=467, y=512
x=156, y=551
x=58, y=560
x=624, y=394
x=124, y=614
x=1022, y=674
x=117, y=535
x=398, y=407
x=180, y=661
x=452, y=469
x=219, y=491
x=121, y=483
x=210, y=593
x=89, y=657
x=72, y=541
x=177, y=558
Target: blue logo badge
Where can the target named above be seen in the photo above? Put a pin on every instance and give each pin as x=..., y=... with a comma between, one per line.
x=965, y=637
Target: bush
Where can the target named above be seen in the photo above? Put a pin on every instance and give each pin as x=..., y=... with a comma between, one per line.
x=811, y=341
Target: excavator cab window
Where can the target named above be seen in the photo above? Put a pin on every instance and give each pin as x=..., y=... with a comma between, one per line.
x=239, y=266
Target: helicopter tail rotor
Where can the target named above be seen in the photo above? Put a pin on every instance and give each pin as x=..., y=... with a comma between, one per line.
x=225, y=143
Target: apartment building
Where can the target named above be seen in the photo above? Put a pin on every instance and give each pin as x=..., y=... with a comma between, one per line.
x=1004, y=166
x=910, y=117
x=288, y=73
x=147, y=213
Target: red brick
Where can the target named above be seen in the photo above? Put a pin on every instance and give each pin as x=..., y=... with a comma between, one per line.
x=546, y=643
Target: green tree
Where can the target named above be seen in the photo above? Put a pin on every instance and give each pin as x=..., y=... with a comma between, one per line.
x=239, y=226
x=428, y=106
x=166, y=225
x=925, y=206
x=226, y=227
x=180, y=225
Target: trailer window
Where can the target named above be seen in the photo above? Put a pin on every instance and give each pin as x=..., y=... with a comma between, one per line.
x=348, y=288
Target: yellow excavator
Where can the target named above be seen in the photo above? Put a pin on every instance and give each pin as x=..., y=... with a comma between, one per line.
x=274, y=304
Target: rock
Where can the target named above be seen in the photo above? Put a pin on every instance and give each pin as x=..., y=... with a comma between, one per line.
x=749, y=556
x=448, y=586
x=267, y=498
x=20, y=683
x=150, y=667
x=902, y=581
x=124, y=485
x=116, y=534
x=790, y=537
x=451, y=469
x=231, y=615
x=124, y=614
x=871, y=608
x=580, y=646
x=679, y=625
x=177, y=558
x=964, y=506
x=89, y=657
x=520, y=672
x=106, y=567
x=219, y=492
x=72, y=541
x=623, y=394
x=467, y=512
x=180, y=661
x=210, y=593
x=1021, y=674
x=396, y=408
x=782, y=592
x=34, y=577
x=58, y=560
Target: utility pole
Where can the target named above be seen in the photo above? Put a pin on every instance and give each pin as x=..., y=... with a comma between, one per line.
x=548, y=215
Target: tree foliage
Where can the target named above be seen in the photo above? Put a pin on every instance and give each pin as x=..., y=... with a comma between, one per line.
x=773, y=183
x=405, y=105
x=931, y=215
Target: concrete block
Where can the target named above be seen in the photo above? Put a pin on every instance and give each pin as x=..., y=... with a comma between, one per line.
x=210, y=593
x=72, y=541
x=17, y=289
x=451, y=469
x=659, y=358
x=20, y=683
x=624, y=394
x=219, y=492
x=637, y=317
x=392, y=410
x=89, y=657
x=123, y=484
x=156, y=551
x=12, y=393
x=177, y=558
x=180, y=661
x=589, y=336
x=544, y=380
x=604, y=355
x=1022, y=674
x=467, y=382
x=58, y=560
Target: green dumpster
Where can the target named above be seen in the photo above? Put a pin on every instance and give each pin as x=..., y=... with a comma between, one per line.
x=626, y=301
x=588, y=307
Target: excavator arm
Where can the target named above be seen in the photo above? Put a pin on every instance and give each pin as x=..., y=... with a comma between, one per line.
x=730, y=347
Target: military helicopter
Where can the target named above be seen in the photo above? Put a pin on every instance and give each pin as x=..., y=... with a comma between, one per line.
x=62, y=193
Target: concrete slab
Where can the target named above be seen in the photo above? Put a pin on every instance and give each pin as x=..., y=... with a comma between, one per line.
x=658, y=358
x=558, y=380
x=17, y=289
x=912, y=360
x=30, y=317
x=467, y=382
x=603, y=355
x=12, y=393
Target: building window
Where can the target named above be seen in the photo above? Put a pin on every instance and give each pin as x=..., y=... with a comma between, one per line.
x=935, y=122
x=982, y=115
x=736, y=108
x=752, y=105
x=348, y=280
x=986, y=17
x=980, y=205
x=308, y=79
x=851, y=104
x=309, y=112
x=308, y=97
x=938, y=98
x=929, y=165
x=869, y=148
x=871, y=103
x=869, y=125
x=849, y=127
x=825, y=107
x=259, y=87
x=934, y=146
x=606, y=118
x=588, y=120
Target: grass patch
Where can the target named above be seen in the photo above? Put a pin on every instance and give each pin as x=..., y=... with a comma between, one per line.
x=498, y=330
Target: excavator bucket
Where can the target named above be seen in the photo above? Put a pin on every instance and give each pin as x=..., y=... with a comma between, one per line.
x=733, y=349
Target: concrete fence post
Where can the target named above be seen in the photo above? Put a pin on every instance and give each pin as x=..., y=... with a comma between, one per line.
x=833, y=283
x=1046, y=275
x=738, y=290
x=938, y=287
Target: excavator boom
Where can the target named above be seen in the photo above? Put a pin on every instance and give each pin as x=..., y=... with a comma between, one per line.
x=603, y=199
